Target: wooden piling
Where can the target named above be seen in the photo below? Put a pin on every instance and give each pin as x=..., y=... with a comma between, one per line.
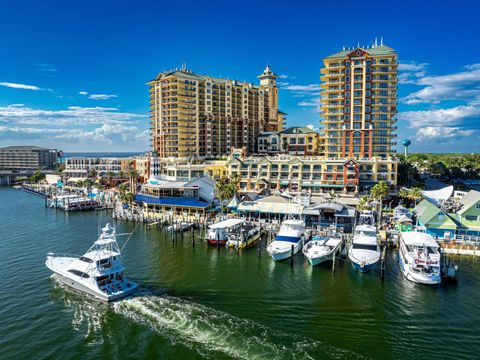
x=292, y=253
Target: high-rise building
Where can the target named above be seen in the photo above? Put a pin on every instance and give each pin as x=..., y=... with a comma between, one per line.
x=196, y=115
x=359, y=102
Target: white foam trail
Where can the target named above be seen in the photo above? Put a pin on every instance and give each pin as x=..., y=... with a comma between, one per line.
x=210, y=331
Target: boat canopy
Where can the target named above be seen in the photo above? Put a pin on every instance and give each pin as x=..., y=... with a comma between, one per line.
x=227, y=223
x=416, y=238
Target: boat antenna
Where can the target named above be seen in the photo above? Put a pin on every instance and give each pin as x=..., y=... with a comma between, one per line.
x=129, y=236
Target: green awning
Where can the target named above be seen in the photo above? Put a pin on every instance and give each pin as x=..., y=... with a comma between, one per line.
x=337, y=186
x=368, y=183
x=283, y=182
x=311, y=184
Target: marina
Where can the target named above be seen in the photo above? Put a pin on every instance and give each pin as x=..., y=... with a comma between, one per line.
x=194, y=283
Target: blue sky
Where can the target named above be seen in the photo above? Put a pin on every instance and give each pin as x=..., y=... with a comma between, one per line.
x=73, y=73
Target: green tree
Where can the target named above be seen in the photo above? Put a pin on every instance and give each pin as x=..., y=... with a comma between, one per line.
x=36, y=177
x=403, y=194
x=285, y=145
x=379, y=192
x=415, y=194
x=226, y=188
x=364, y=204
x=92, y=173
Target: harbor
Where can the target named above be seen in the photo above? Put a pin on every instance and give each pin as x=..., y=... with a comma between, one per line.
x=182, y=277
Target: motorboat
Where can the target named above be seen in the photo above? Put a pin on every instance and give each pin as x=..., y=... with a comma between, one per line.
x=217, y=234
x=99, y=272
x=419, y=257
x=289, y=240
x=243, y=236
x=364, y=252
x=321, y=249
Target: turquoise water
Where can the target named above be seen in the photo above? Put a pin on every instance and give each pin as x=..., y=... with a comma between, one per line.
x=197, y=302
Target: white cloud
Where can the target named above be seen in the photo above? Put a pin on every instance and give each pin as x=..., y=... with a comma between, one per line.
x=441, y=133
x=101, y=96
x=464, y=86
x=20, y=86
x=83, y=93
x=410, y=72
x=74, y=128
x=440, y=117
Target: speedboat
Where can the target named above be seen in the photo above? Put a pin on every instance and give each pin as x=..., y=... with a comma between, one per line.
x=321, y=249
x=217, y=234
x=98, y=272
x=364, y=252
x=419, y=257
x=288, y=241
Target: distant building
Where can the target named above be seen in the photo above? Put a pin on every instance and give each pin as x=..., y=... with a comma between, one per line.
x=79, y=167
x=196, y=115
x=28, y=158
x=359, y=102
x=294, y=140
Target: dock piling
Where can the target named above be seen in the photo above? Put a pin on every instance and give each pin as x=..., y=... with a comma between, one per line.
x=292, y=253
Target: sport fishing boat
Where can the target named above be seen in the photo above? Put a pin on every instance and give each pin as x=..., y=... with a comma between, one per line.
x=321, y=249
x=98, y=272
x=243, y=236
x=218, y=233
x=419, y=257
x=364, y=253
x=291, y=234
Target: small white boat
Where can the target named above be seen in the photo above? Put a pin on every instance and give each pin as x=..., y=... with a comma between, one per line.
x=419, y=257
x=288, y=241
x=217, y=234
x=321, y=249
x=364, y=252
x=243, y=237
x=99, y=272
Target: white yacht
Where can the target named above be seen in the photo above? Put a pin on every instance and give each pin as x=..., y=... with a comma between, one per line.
x=99, y=272
x=291, y=233
x=321, y=249
x=419, y=257
x=364, y=252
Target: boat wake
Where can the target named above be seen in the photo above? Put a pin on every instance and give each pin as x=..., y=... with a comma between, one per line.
x=205, y=330
x=211, y=332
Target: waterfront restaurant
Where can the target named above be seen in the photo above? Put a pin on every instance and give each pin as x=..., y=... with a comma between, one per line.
x=160, y=199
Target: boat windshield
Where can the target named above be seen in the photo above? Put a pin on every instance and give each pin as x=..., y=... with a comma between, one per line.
x=364, y=247
x=85, y=259
x=366, y=233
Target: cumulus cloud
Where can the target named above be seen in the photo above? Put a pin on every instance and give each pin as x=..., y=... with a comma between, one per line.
x=20, y=86
x=439, y=133
x=74, y=128
x=410, y=72
x=440, y=117
x=84, y=93
x=464, y=86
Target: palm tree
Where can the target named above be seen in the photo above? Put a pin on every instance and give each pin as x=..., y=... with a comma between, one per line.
x=133, y=176
x=226, y=189
x=379, y=192
x=92, y=173
x=109, y=176
x=415, y=194
x=88, y=183
x=364, y=203
x=404, y=194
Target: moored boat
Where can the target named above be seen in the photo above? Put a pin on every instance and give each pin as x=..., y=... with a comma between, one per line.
x=321, y=249
x=364, y=252
x=419, y=257
x=99, y=272
x=243, y=236
x=288, y=241
x=217, y=234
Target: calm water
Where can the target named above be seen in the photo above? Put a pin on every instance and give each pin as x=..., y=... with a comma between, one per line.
x=198, y=303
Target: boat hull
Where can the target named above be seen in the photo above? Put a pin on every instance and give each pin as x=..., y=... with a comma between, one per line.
x=418, y=278
x=216, y=242
x=287, y=253
x=87, y=290
x=364, y=268
x=245, y=244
